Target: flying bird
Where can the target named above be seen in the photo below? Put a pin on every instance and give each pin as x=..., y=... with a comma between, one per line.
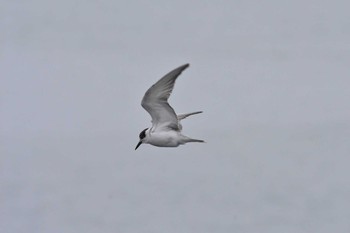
x=166, y=127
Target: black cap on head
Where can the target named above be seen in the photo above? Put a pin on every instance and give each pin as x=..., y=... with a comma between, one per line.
x=143, y=134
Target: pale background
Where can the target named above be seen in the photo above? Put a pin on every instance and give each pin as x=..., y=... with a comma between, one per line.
x=273, y=80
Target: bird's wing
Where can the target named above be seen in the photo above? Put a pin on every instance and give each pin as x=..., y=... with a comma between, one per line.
x=155, y=101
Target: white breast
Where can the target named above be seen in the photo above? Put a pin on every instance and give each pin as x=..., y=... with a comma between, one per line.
x=164, y=139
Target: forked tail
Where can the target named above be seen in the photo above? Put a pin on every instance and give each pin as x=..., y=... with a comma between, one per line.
x=185, y=139
x=183, y=116
x=195, y=140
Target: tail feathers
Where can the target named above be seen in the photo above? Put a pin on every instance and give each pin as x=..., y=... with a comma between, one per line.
x=195, y=140
x=183, y=116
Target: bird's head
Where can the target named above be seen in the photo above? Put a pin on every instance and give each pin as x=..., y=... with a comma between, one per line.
x=142, y=137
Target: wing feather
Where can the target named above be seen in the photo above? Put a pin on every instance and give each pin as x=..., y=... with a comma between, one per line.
x=155, y=101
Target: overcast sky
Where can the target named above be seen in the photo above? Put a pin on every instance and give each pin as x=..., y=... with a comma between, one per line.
x=272, y=78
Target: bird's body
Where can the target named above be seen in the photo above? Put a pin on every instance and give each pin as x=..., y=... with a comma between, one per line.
x=169, y=138
x=166, y=127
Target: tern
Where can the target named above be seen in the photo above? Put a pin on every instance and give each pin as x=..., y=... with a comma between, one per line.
x=166, y=127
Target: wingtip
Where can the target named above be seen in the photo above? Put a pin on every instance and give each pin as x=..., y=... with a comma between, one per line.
x=186, y=65
x=182, y=68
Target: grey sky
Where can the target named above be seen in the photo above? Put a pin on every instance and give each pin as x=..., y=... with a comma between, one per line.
x=272, y=79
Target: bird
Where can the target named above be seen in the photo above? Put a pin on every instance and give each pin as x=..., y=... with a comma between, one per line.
x=166, y=127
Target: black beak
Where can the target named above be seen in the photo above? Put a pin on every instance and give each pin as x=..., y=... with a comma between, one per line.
x=138, y=144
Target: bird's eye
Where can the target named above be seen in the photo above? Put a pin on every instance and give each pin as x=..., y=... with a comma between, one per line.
x=143, y=134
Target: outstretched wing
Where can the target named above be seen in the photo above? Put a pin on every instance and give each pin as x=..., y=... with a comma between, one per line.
x=155, y=101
